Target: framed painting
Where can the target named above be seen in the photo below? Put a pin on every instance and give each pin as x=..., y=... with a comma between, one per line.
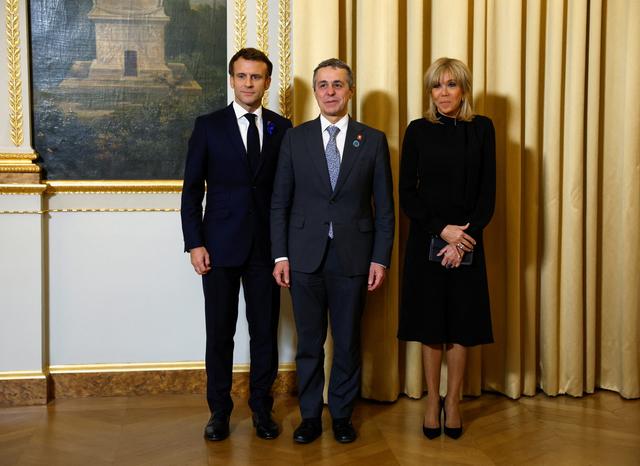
x=117, y=84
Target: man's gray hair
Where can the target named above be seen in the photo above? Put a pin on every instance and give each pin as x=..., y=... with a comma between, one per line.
x=334, y=63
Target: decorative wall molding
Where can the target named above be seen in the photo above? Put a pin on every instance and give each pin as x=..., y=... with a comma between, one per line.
x=87, y=210
x=114, y=187
x=18, y=156
x=262, y=35
x=19, y=168
x=284, y=49
x=240, y=24
x=152, y=366
x=262, y=25
x=13, y=67
x=15, y=167
x=24, y=188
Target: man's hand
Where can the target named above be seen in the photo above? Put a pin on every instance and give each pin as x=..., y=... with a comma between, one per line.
x=376, y=276
x=281, y=273
x=455, y=235
x=200, y=260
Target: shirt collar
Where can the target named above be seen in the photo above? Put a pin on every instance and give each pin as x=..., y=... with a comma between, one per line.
x=241, y=112
x=342, y=123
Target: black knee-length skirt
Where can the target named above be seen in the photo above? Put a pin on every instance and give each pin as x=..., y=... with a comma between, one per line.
x=440, y=305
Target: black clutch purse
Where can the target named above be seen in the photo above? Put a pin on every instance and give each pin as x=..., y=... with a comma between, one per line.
x=437, y=244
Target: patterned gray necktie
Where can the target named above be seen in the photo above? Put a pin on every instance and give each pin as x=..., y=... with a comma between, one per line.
x=333, y=162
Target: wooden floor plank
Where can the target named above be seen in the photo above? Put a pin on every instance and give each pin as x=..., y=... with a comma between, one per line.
x=601, y=429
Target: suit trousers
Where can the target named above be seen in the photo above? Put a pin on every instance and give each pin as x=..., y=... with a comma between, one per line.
x=262, y=297
x=328, y=294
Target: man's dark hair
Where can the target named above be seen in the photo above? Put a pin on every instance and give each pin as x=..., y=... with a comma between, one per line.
x=334, y=63
x=250, y=53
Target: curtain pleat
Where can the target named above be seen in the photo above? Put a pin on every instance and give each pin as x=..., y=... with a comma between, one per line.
x=560, y=80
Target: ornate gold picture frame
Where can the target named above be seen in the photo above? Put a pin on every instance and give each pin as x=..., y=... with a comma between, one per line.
x=117, y=85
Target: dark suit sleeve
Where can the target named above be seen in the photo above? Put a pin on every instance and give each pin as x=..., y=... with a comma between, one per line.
x=383, y=202
x=193, y=186
x=487, y=194
x=412, y=205
x=281, y=199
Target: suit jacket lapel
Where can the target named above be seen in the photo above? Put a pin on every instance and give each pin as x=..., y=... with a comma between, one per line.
x=352, y=147
x=233, y=131
x=315, y=146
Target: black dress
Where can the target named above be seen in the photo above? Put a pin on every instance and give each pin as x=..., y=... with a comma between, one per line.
x=447, y=176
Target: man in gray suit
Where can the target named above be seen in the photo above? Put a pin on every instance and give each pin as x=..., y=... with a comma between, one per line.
x=329, y=246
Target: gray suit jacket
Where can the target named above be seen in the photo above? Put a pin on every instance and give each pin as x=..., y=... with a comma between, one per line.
x=361, y=206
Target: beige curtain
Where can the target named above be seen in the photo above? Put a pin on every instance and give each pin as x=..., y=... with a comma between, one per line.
x=561, y=81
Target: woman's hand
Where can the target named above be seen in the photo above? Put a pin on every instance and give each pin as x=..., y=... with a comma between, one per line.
x=455, y=235
x=451, y=257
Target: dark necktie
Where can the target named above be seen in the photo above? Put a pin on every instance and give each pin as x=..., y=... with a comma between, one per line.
x=253, y=142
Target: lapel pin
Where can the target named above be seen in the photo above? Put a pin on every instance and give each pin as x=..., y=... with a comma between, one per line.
x=356, y=143
x=358, y=140
x=270, y=128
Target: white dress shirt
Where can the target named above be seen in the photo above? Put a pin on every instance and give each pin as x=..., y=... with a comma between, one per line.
x=243, y=123
x=342, y=124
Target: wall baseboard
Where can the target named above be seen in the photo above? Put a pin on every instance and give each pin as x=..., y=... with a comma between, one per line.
x=80, y=381
x=23, y=388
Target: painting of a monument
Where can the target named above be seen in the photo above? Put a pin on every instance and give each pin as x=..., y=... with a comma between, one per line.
x=118, y=83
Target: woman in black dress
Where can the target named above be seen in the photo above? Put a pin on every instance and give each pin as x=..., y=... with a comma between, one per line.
x=447, y=189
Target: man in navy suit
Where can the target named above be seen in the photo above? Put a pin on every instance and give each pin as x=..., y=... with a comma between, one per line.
x=332, y=228
x=235, y=151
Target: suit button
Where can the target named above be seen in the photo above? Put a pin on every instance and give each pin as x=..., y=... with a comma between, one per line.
x=254, y=187
x=332, y=201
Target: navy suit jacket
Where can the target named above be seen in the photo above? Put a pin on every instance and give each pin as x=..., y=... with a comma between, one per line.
x=360, y=207
x=238, y=202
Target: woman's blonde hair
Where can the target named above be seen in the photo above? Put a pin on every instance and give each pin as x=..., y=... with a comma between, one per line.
x=462, y=76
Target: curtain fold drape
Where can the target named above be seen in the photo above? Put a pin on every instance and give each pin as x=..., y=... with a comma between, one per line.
x=561, y=82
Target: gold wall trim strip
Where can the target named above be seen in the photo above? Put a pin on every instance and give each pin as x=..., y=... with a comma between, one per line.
x=84, y=211
x=262, y=25
x=93, y=187
x=284, y=46
x=240, y=24
x=22, y=188
x=22, y=212
x=156, y=366
x=114, y=187
x=18, y=156
x=128, y=367
x=19, y=168
x=262, y=35
x=22, y=375
x=15, y=80
x=112, y=210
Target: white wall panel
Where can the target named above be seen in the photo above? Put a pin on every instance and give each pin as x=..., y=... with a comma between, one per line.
x=122, y=290
x=21, y=336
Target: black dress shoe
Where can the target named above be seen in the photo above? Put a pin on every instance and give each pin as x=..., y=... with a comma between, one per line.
x=217, y=428
x=343, y=430
x=451, y=432
x=308, y=430
x=266, y=428
x=434, y=432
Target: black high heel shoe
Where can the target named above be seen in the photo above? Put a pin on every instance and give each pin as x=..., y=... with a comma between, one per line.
x=451, y=432
x=434, y=432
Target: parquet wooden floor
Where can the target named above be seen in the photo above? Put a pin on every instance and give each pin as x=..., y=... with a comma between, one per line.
x=600, y=429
